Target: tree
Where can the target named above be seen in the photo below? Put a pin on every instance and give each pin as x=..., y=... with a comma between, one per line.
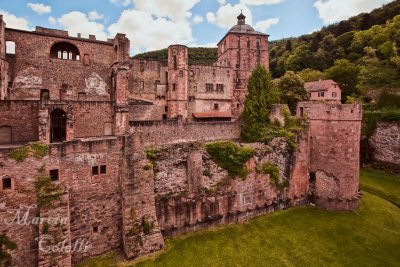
x=366, y=22
x=289, y=45
x=310, y=75
x=299, y=59
x=262, y=95
x=5, y=245
x=345, y=74
x=292, y=90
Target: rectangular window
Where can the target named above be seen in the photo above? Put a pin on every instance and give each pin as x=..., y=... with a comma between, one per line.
x=321, y=94
x=7, y=185
x=209, y=87
x=216, y=106
x=141, y=85
x=334, y=94
x=175, y=62
x=220, y=88
x=181, y=73
x=95, y=170
x=173, y=86
x=166, y=108
x=103, y=169
x=54, y=175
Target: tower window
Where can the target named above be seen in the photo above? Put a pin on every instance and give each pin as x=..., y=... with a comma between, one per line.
x=173, y=86
x=209, y=87
x=95, y=170
x=248, y=42
x=7, y=183
x=54, y=175
x=103, y=169
x=220, y=88
x=216, y=106
x=175, y=62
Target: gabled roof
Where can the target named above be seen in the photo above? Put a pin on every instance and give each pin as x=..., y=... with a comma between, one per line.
x=321, y=85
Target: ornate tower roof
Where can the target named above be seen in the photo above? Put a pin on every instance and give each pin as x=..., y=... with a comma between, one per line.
x=241, y=19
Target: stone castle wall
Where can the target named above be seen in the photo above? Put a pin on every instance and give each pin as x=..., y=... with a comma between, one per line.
x=385, y=145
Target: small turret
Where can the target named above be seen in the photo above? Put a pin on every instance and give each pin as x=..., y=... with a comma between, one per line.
x=241, y=19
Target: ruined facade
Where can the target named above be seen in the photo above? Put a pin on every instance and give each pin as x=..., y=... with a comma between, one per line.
x=99, y=111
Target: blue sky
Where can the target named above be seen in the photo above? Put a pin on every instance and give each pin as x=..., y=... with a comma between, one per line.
x=155, y=24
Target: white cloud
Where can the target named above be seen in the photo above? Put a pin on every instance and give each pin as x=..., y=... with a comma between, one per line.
x=93, y=15
x=195, y=44
x=198, y=19
x=176, y=10
x=14, y=22
x=331, y=11
x=78, y=22
x=52, y=20
x=39, y=8
x=264, y=25
x=221, y=2
x=121, y=2
x=145, y=31
x=226, y=16
x=260, y=2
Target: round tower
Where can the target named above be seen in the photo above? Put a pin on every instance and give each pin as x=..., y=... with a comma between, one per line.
x=177, y=96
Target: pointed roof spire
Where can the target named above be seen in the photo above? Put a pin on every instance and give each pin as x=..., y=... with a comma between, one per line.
x=241, y=18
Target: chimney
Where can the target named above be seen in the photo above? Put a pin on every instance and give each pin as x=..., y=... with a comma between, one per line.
x=92, y=37
x=79, y=35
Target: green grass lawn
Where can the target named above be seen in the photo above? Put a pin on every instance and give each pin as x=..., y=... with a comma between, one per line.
x=303, y=236
x=381, y=183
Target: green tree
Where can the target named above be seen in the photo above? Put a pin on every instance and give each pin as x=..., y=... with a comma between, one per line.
x=299, y=59
x=5, y=245
x=310, y=75
x=345, y=74
x=262, y=95
x=292, y=90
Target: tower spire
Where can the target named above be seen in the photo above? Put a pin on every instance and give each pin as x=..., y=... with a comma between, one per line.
x=241, y=18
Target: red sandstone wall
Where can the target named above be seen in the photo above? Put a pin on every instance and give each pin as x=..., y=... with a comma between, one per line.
x=32, y=69
x=94, y=200
x=163, y=132
x=335, y=132
x=23, y=117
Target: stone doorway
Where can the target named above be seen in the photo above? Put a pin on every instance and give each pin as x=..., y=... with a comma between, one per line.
x=58, y=126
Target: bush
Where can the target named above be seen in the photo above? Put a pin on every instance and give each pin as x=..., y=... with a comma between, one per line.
x=34, y=149
x=273, y=171
x=371, y=119
x=147, y=227
x=388, y=100
x=230, y=157
x=46, y=190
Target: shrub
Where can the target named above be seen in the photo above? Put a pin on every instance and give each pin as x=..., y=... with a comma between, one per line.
x=207, y=173
x=230, y=157
x=5, y=245
x=147, y=227
x=45, y=227
x=151, y=154
x=46, y=190
x=273, y=171
x=34, y=149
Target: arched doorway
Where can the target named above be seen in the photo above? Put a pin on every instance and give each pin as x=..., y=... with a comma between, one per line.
x=58, y=126
x=5, y=134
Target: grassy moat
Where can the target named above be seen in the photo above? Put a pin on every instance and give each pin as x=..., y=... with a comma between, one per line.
x=302, y=236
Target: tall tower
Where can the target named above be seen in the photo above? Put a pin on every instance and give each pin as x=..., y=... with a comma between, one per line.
x=242, y=48
x=177, y=96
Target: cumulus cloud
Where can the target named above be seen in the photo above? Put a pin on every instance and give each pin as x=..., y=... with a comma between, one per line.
x=260, y=2
x=221, y=2
x=264, y=25
x=93, y=15
x=197, y=19
x=14, y=22
x=52, y=20
x=148, y=32
x=226, y=16
x=39, y=8
x=78, y=22
x=331, y=11
x=121, y=2
x=176, y=10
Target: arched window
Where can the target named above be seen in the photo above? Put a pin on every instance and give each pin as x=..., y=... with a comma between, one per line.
x=58, y=126
x=64, y=50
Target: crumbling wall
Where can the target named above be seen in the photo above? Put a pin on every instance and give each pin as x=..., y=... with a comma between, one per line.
x=385, y=145
x=192, y=191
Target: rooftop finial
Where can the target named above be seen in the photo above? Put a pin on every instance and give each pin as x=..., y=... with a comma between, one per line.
x=241, y=18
